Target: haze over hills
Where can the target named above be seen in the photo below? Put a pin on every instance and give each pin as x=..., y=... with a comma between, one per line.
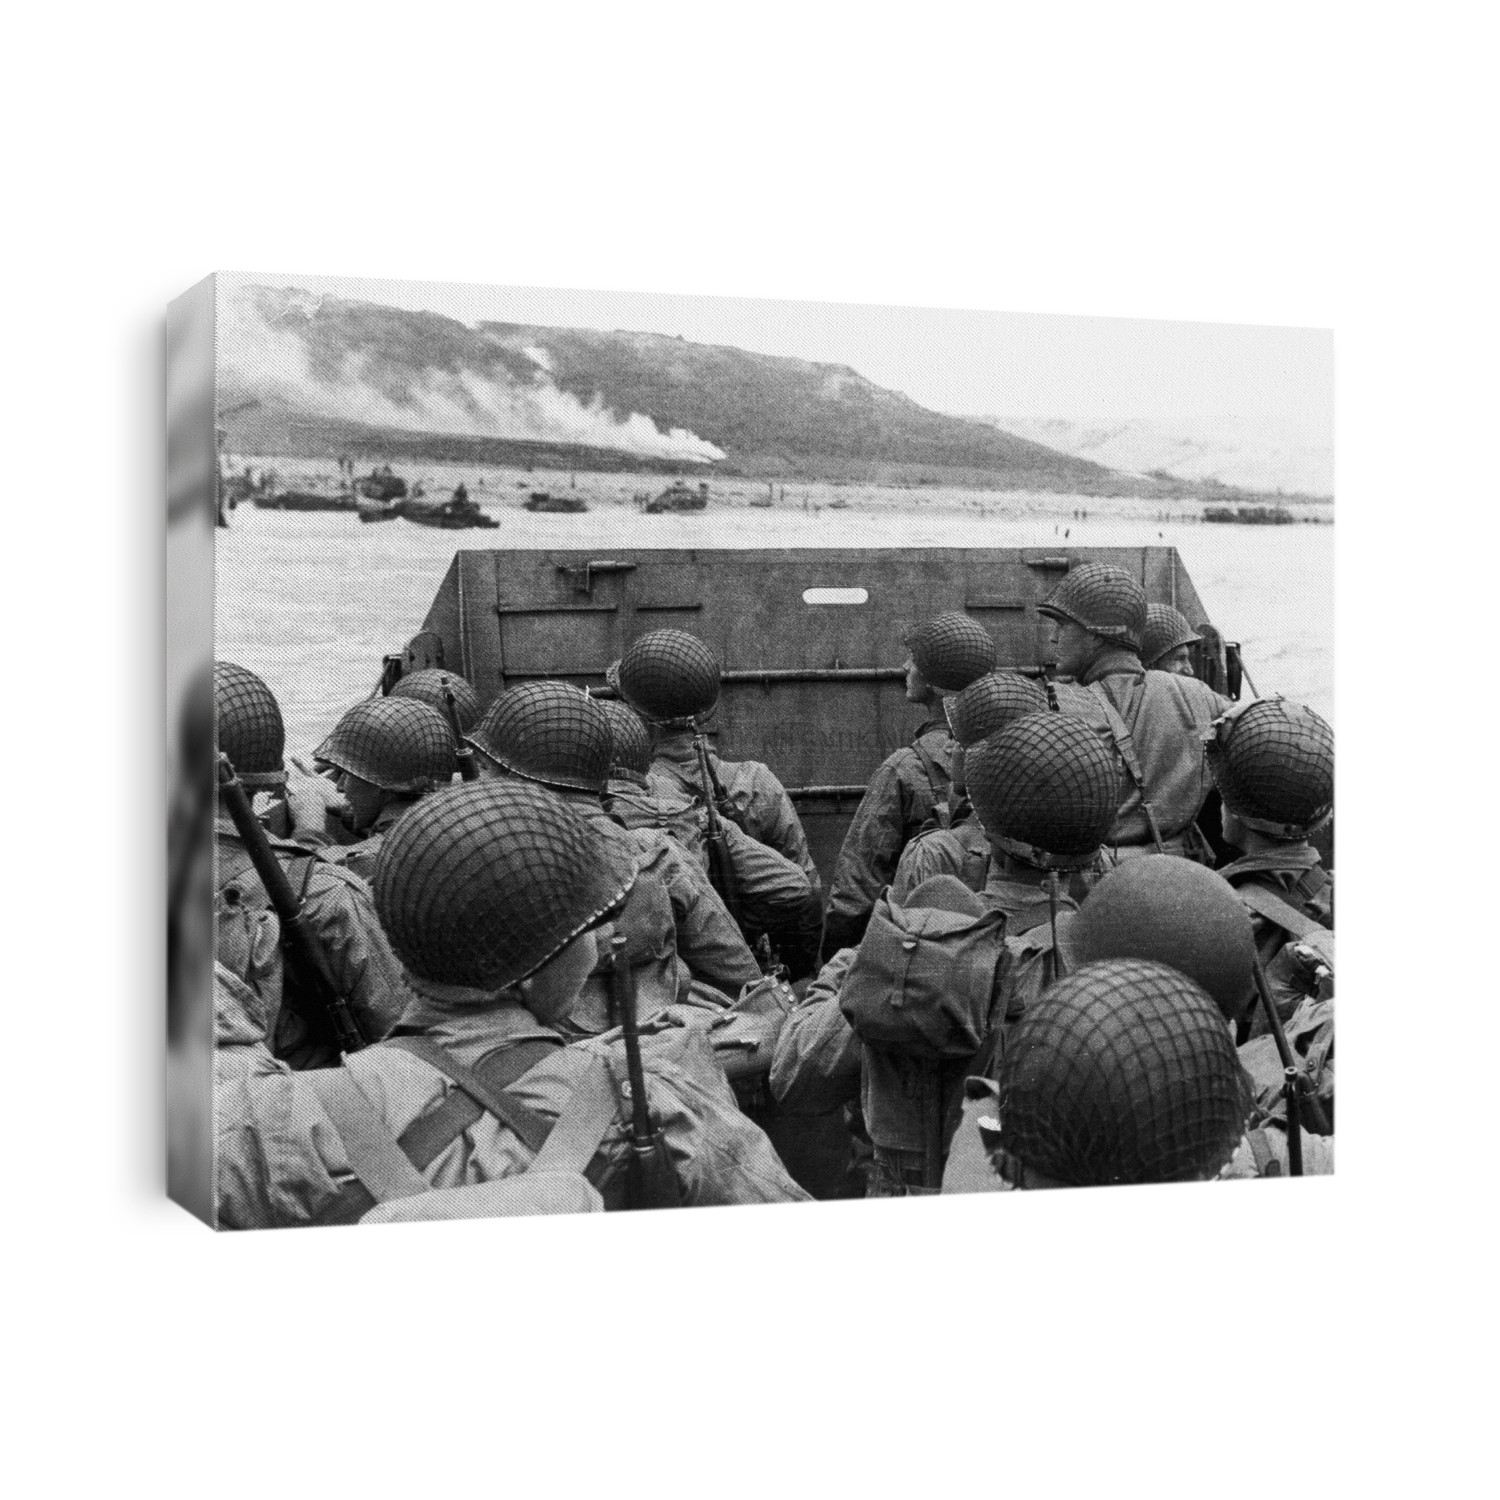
x=305, y=374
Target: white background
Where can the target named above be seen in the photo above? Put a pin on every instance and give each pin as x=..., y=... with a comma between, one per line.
x=1310, y=165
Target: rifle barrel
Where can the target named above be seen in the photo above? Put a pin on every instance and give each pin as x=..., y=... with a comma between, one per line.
x=1315, y=1116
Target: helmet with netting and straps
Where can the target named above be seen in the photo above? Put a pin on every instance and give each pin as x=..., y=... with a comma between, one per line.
x=1123, y=1071
x=1102, y=599
x=1166, y=630
x=1045, y=790
x=667, y=676
x=629, y=739
x=951, y=650
x=398, y=744
x=483, y=882
x=430, y=684
x=250, y=731
x=549, y=732
x=991, y=702
x=1170, y=911
x=1272, y=762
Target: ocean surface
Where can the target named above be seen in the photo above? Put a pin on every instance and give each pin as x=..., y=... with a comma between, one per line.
x=312, y=601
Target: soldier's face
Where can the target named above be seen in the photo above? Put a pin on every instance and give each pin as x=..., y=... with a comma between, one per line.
x=364, y=798
x=917, y=688
x=1178, y=661
x=553, y=990
x=1072, y=647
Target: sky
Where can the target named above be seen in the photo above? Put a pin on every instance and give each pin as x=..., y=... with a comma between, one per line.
x=1277, y=382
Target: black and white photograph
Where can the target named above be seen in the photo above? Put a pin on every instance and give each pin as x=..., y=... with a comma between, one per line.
x=684, y=751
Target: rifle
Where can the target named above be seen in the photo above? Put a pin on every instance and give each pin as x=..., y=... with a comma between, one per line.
x=1293, y=1125
x=468, y=769
x=307, y=972
x=721, y=871
x=653, y=1182
x=1297, y=1091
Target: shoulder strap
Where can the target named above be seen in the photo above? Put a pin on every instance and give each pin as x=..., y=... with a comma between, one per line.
x=526, y=1123
x=1310, y=882
x=576, y=1136
x=378, y=1161
x=1125, y=744
x=1263, y=903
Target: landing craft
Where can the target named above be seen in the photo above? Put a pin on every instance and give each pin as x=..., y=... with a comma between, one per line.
x=679, y=496
x=810, y=640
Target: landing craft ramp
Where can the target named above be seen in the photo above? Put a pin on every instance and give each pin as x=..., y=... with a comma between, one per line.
x=810, y=641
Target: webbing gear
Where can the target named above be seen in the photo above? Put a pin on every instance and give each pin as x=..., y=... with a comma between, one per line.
x=1125, y=744
x=382, y=1167
x=1286, y=916
x=941, y=781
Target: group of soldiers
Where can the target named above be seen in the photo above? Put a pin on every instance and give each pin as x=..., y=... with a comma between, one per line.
x=555, y=953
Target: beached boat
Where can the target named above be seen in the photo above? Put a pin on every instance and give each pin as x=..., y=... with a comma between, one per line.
x=448, y=515
x=678, y=496
x=381, y=484
x=378, y=510
x=540, y=501
x=306, y=500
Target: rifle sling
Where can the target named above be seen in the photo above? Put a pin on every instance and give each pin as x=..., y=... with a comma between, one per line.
x=1125, y=744
x=940, y=782
x=1286, y=916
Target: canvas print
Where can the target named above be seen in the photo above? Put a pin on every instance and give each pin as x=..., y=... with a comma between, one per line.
x=667, y=751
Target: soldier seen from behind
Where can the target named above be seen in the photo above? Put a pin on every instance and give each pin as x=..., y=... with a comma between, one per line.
x=1045, y=791
x=388, y=753
x=912, y=788
x=683, y=947
x=671, y=680
x=1153, y=720
x=983, y=708
x=492, y=893
x=335, y=904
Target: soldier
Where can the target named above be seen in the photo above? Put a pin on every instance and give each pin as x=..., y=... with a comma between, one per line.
x=911, y=787
x=684, y=948
x=1166, y=640
x=388, y=752
x=335, y=903
x=1122, y=1072
x=491, y=893
x=1153, y=720
x=1272, y=762
x=1045, y=790
x=671, y=679
x=963, y=849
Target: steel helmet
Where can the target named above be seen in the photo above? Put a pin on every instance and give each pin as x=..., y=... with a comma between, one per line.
x=1272, y=762
x=990, y=703
x=1105, y=600
x=397, y=744
x=629, y=739
x=483, y=882
x=1166, y=630
x=1122, y=1071
x=250, y=731
x=427, y=686
x=951, y=650
x=548, y=732
x=1045, y=789
x=668, y=676
x=1171, y=911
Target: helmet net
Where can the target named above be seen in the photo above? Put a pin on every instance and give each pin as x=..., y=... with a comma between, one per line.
x=484, y=881
x=250, y=731
x=1273, y=765
x=990, y=703
x=397, y=744
x=951, y=650
x=1103, y=599
x=1045, y=787
x=1166, y=630
x=1122, y=1071
x=550, y=732
x=427, y=686
x=669, y=674
x=630, y=740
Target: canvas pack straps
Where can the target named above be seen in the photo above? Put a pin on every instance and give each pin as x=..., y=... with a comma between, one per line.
x=1286, y=916
x=369, y=1142
x=941, y=781
x=1125, y=744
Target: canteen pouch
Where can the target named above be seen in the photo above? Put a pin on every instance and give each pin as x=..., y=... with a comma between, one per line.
x=923, y=980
